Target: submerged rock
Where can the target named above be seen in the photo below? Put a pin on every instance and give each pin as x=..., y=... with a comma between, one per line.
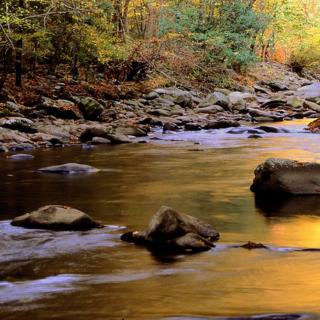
x=56, y=217
x=171, y=230
x=283, y=176
x=69, y=168
x=252, y=245
x=21, y=156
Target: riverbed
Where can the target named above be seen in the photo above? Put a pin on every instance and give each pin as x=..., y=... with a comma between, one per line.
x=207, y=174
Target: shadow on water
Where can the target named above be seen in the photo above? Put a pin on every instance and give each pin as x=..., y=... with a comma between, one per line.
x=273, y=206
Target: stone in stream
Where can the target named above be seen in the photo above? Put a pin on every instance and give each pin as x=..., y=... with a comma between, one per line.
x=254, y=136
x=69, y=168
x=252, y=245
x=283, y=176
x=221, y=124
x=99, y=140
x=171, y=230
x=270, y=129
x=314, y=126
x=192, y=127
x=56, y=217
x=21, y=156
x=170, y=126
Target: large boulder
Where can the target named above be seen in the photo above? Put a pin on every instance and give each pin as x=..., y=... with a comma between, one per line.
x=69, y=168
x=216, y=98
x=171, y=230
x=283, y=176
x=238, y=100
x=90, y=108
x=64, y=109
x=56, y=217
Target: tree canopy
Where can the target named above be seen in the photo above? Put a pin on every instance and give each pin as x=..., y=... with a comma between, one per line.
x=109, y=34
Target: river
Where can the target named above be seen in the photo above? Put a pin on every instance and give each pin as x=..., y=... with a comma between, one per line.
x=93, y=275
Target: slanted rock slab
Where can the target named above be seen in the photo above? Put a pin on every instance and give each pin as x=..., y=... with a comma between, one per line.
x=69, y=168
x=56, y=217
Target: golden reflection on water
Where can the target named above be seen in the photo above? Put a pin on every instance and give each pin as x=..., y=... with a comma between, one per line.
x=212, y=185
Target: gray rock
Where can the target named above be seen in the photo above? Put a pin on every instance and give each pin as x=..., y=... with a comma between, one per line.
x=192, y=127
x=163, y=101
x=118, y=138
x=20, y=146
x=99, y=140
x=273, y=103
x=217, y=98
x=136, y=131
x=177, y=111
x=151, y=95
x=170, y=126
x=256, y=113
x=277, y=86
x=90, y=108
x=56, y=217
x=12, y=106
x=295, y=102
x=108, y=115
x=311, y=91
x=58, y=131
x=221, y=124
x=21, y=156
x=9, y=136
x=69, y=168
x=239, y=99
x=270, y=129
x=312, y=105
x=19, y=124
x=63, y=109
x=171, y=230
x=89, y=133
x=184, y=100
x=212, y=109
x=159, y=112
x=283, y=176
x=260, y=89
x=3, y=148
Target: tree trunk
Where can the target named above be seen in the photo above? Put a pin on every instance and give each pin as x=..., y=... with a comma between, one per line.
x=19, y=48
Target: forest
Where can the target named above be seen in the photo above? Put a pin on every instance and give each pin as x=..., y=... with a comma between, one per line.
x=124, y=40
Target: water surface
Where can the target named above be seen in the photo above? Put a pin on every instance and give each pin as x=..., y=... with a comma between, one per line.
x=68, y=275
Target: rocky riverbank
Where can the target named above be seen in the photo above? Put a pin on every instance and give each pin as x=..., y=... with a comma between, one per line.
x=66, y=119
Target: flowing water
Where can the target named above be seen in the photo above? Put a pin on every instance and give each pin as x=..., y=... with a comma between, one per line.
x=93, y=275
